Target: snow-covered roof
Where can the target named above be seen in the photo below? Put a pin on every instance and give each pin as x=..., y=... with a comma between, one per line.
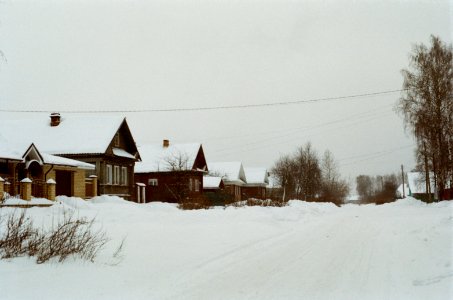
x=399, y=190
x=416, y=182
x=231, y=171
x=211, y=182
x=256, y=176
x=11, y=150
x=8, y=152
x=62, y=161
x=74, y=135
x=122, y=153
x=156, y=158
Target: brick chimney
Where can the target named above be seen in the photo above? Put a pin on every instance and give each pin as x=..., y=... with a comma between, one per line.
x=166, y=143
x=54, y=119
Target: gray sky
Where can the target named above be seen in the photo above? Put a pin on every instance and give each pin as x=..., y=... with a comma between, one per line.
x=77, y=55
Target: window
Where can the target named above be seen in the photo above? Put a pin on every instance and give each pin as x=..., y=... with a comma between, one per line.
x=123, y=175
x=108, y=174
x=197, y=185
x=152, y=182
x=116, y=175
x=190, y=184
x=116, y=140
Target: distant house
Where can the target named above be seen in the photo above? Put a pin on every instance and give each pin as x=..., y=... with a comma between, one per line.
x=214, y=190
x=170, y=173
x=233, y=176
x=417, y=187
x=105, y=142
x=416, y=182
x=18, y=164
x=212, y=183
x=257, y=181
x=402, y=191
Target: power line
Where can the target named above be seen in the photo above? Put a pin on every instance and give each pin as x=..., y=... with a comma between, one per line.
x=185, y=109
x=371, y=156
x=284, y=138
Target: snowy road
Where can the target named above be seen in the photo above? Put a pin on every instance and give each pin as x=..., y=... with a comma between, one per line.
x=305, y=251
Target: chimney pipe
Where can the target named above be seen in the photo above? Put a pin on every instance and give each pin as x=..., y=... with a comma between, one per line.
x=166, y=143
x=54, y=119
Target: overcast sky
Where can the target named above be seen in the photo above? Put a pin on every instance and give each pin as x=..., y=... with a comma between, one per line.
x=132, y=55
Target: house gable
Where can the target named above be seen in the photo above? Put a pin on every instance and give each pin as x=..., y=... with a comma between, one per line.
x=122, y=139
x=200, y=161
x=32, y=154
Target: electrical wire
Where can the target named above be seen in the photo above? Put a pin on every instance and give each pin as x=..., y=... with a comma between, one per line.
x=187, y=109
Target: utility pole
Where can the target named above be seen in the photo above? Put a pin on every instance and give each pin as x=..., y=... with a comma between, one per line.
x=402, y=176
x=427, y=180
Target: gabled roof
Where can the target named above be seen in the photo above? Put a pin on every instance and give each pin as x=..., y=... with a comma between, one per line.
x=230, y=171
x=156, y=158
x=256, y=176
x=211, y=182
x=8, y=152
x=18, y=154
x=74, y=135
x=416, y=182
x=62, y=161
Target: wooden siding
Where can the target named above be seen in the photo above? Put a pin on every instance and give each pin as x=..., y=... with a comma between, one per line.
x=101, y=160
x=171, y=185
x=257, y=192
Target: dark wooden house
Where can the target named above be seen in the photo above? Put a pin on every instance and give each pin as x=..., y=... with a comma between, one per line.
x=233, y=177
x=257, y=181
x=170, y=173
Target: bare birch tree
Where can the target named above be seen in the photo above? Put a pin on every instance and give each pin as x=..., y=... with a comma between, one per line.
x=427, y=108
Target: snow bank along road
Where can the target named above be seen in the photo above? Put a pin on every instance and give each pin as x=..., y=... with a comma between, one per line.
x=401, y=250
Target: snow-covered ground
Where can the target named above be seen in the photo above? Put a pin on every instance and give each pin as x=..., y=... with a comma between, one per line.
x=401, y=250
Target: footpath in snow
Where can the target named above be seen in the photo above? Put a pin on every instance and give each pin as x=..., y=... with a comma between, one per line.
x=401, y=250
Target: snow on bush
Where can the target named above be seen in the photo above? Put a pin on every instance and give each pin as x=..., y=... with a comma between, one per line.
x=70, y=236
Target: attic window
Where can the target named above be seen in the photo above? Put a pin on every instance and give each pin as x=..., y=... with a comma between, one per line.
x=116, y=140
x=152, y=182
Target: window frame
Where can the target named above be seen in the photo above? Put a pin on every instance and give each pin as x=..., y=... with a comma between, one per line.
x=116, y=175
x=116, y=140
x=108, y=174
x=153, y=182
x=197, y=185
x=124, y=176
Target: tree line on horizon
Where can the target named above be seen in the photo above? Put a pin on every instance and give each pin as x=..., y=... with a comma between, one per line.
x=304, y=175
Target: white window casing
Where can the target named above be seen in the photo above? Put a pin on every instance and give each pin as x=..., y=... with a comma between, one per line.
x=116, y=175
x=124, y=179
x=108, y=174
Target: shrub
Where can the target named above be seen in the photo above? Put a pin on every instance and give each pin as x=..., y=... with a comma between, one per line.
x=19, y=233
x=200, y=202
x=259, y=202
x=71, y=236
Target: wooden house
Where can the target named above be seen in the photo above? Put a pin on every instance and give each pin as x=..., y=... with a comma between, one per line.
x=416, y=182
x=170, y=173
x=257, y=181
x=214, y=190
x=233, y=176
x=48, y=175
x=417, y=185
x=105, y=142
